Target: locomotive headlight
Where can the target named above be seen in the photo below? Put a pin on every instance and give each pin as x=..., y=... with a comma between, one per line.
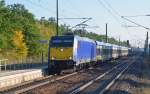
x=61, y=50
x=70, y=57
x=53, y=58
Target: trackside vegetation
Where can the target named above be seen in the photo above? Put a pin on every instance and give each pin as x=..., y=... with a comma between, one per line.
x=21, y=34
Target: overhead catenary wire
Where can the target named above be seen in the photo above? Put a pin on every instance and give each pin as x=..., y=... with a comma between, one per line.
x=63, y=10
x=45, y=8
x=80, y=11
x=137, y=15
x=69, y=3
x=48, y=9
x=70, y=7
x=135, y=23
x=39, y=5
x=109, y=11
x=74, y=16
x=114, y=10
x=138, y=25
x=62, y=18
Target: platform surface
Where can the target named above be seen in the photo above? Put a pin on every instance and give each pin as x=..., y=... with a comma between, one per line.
x=7, y=73
x=10, y=78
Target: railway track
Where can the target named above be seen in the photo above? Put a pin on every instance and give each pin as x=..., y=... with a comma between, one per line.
x=73, y=81
x=63, y=86
x=120, y=86
x=103, y=82
x=33, y=86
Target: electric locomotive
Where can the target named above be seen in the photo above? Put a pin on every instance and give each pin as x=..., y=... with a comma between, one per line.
x=70, y=51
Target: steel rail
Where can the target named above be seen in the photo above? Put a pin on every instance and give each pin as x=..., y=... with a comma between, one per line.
x=92, y=81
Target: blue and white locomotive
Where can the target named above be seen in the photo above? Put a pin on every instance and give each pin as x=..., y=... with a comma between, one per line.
x=72, y=51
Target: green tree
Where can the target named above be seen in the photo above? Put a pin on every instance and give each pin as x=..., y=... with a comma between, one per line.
x=20, y=47
x=24, y=21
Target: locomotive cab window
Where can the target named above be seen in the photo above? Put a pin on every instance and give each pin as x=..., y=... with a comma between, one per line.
x=62, y=41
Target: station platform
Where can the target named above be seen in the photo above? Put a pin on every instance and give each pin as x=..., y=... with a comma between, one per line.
x=10, y=78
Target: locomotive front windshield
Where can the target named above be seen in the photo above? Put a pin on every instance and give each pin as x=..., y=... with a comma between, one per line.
x=62, y=41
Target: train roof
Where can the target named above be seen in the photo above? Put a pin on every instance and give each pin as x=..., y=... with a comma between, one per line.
x=62, y=37
x=72, y=37
x=114, y=46
x=103, y=43
x=100, y=43
x=84, y=38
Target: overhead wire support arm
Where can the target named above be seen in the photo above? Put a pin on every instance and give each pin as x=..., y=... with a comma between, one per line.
x=82, y=22
x=135, y=23
x=74, y=18
x=137, y=15
x=84, y=18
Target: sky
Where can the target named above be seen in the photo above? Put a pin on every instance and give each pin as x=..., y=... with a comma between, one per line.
x=101, y=12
